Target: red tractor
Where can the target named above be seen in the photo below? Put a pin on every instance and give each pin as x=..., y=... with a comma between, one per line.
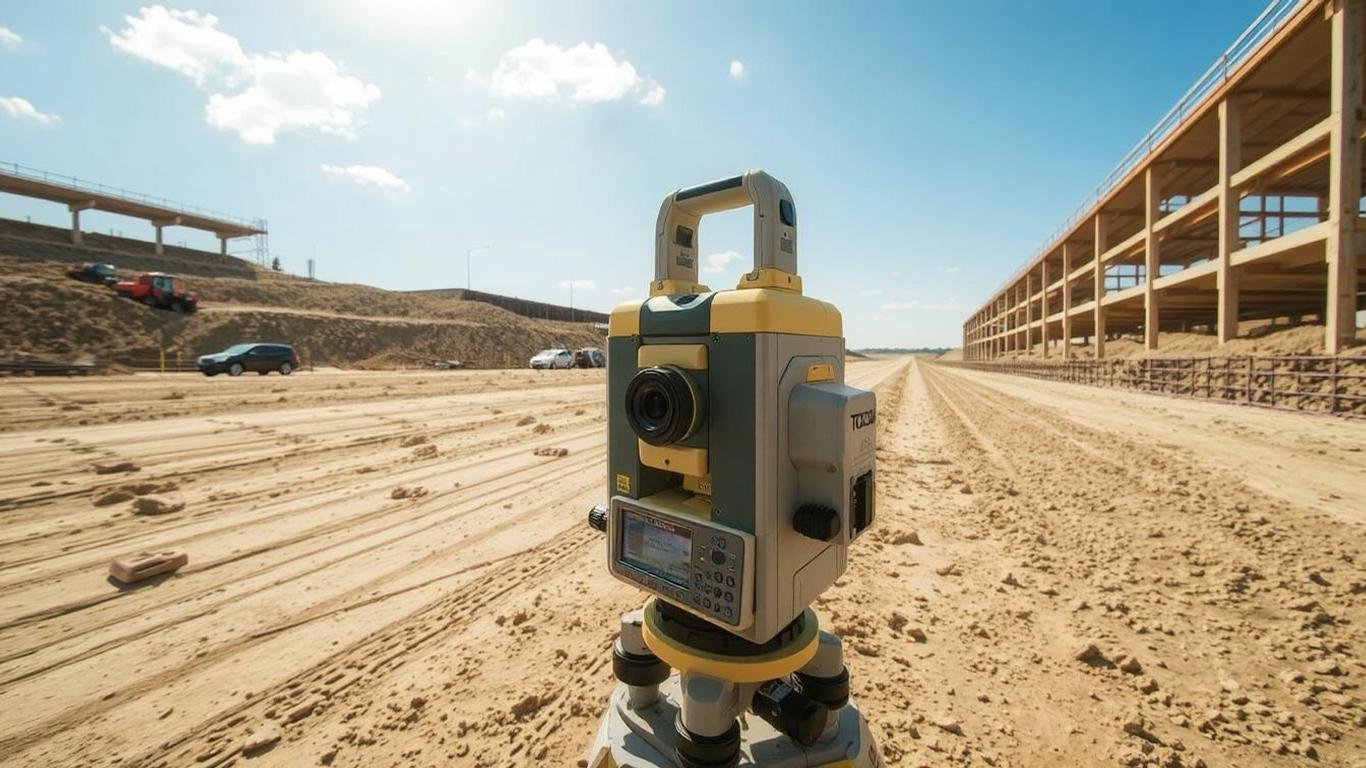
x=160, y=290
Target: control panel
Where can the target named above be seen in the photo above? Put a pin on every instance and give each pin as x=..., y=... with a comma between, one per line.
x=660, y=544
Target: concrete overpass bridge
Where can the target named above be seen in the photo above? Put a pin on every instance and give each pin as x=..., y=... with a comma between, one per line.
x=78, y=195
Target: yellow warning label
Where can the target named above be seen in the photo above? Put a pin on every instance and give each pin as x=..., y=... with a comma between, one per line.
x=623, y=483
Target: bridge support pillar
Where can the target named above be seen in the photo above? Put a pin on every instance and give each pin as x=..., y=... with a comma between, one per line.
x=76, y=209
x=161, y=224
x=1066, y=301
x=1151, y=259
x=1230, y=160
x=1344, y=175
x=1043, y=304
x=1098, y=279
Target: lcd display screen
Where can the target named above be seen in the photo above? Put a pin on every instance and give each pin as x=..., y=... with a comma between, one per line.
x=656, y=547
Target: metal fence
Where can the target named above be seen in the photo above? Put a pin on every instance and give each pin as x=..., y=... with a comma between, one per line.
x=1316, y=384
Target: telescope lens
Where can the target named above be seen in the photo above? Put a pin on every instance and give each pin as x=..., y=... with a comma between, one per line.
x=660, y=406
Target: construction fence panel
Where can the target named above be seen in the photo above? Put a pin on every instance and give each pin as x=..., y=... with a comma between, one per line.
x=1309, y=383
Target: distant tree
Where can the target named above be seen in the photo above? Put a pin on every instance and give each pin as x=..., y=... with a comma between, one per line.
x=275, y=264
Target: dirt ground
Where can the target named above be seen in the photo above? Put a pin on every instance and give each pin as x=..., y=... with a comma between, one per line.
x=383, y=573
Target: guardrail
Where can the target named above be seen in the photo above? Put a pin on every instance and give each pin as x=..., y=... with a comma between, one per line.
x=1315, y=384
x=93, y=187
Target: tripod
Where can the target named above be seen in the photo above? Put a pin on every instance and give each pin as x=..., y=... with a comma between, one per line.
x=796, y=684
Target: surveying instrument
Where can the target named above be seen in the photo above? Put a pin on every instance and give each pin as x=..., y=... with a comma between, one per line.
x=740, y=469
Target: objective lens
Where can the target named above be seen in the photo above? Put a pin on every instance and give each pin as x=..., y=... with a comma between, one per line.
x=661, y=405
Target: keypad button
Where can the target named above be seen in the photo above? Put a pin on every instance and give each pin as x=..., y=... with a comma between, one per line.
x=730, y=581
x=730, y=597
x=718, y=557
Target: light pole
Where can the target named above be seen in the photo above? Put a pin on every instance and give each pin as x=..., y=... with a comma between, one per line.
x=468, y=253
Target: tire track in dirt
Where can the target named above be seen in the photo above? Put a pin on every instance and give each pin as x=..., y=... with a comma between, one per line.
x=410, y=474
x=1169, y=563
x=478, y=504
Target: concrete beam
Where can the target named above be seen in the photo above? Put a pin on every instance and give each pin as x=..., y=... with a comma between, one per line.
x=1230, y=160
x=1344, y=175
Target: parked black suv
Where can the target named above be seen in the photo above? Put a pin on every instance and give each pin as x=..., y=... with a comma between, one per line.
x=240, y=358
x=590, y=357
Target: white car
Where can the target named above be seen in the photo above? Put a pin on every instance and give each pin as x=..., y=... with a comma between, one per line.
x=552, y=358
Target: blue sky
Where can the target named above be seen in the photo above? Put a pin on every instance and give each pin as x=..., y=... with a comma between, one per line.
x=931, y=147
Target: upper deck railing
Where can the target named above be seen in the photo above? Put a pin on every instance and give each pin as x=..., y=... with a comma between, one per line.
x=1263, y=27
x=95, y=188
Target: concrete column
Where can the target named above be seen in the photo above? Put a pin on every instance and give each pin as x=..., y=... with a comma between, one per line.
x=1066, y=301
x=1151, y=260
x=160, y=224
x=76, y=209
x=1344, y=176
x=1230, y=160
x=1043, y=303
x=222, y=245
x=1029, y=312
x=1098, y=280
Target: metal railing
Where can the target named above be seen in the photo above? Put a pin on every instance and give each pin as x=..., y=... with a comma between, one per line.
x=1316, y=384
x=96, y=188
x=1263, y=27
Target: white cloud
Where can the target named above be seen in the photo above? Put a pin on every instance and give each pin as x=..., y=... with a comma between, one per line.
x=21, y=109
x=494, y=114
x=717, y=262
x=737, y=69
x=870, y=292
x=653, y=96
x=943, y=306
x=9, y=37
x=258, y=96
x=953, y=268
x=369, y=176
x=294, y=91
x=585, y=73
x=188, y=42
x=627, y=290
x=581, y=285
x=951, y=305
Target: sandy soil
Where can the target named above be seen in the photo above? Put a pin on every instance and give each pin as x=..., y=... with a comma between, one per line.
x=385, y=574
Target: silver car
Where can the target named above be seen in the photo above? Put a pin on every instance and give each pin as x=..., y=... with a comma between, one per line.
x=552, y=358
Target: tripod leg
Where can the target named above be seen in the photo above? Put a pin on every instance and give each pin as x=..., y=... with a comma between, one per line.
x=826, y=679
x=635, y=665
x=708, y=731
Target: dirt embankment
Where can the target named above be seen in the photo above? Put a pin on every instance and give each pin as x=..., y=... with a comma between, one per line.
x=1258, y=338
x=330, y=323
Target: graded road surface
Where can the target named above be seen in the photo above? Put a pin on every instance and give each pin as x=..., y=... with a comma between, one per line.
x=383, y=573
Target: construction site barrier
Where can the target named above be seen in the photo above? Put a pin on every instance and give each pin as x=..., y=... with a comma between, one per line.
x=1326, y=384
